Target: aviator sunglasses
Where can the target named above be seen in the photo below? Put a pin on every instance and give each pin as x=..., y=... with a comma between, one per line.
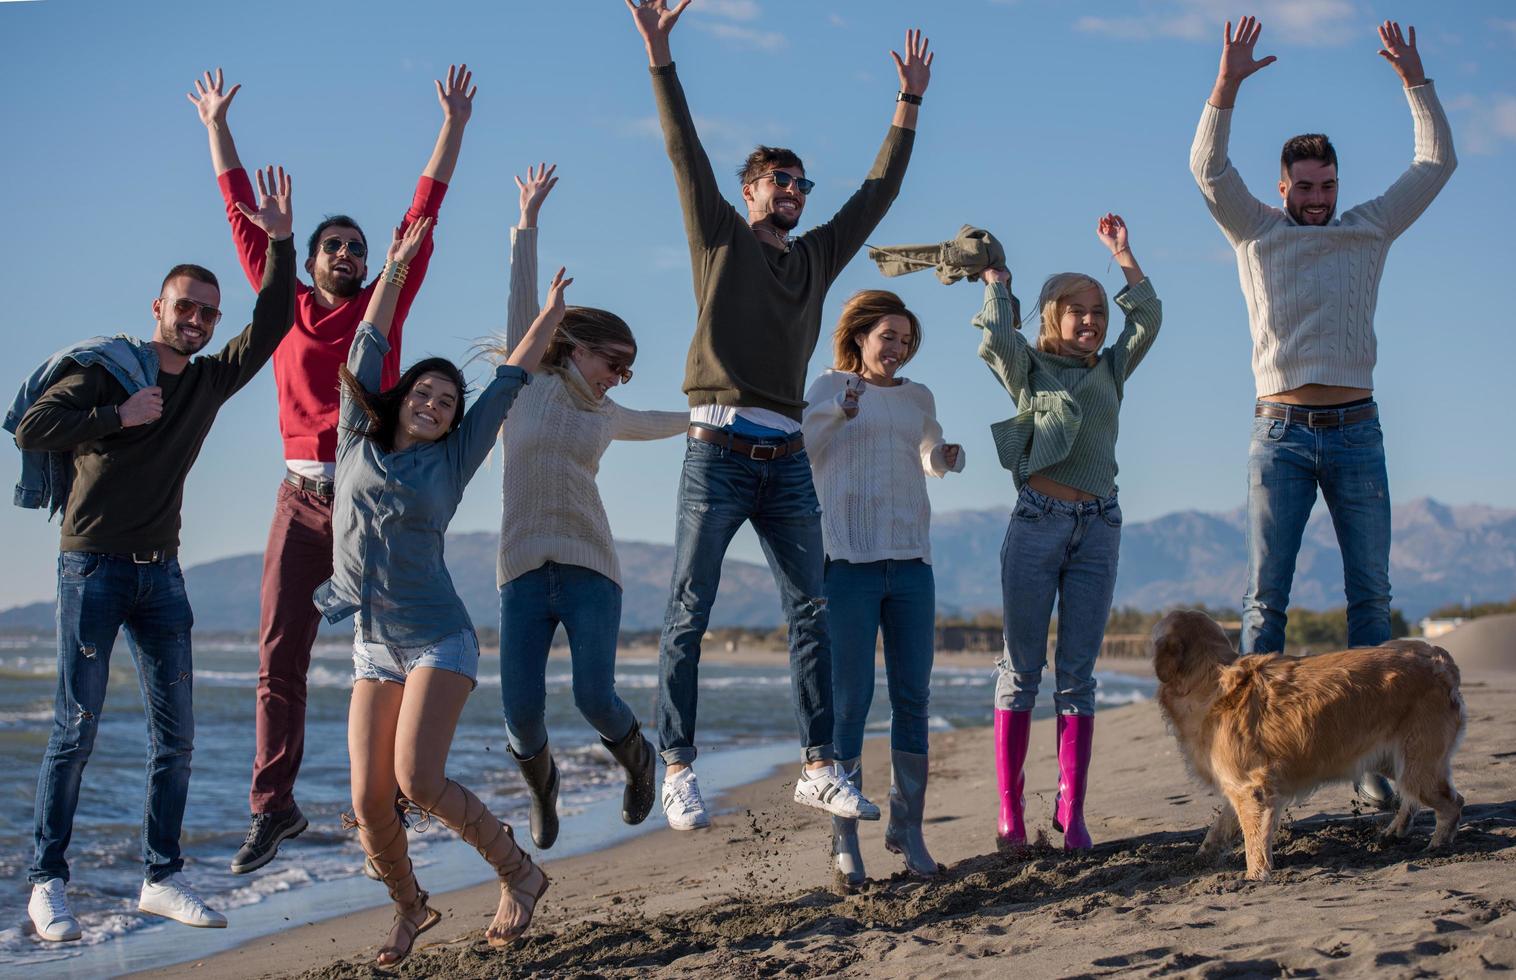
x=613, y=363
x=781, y=179
x=331, y=246
x=188, y=308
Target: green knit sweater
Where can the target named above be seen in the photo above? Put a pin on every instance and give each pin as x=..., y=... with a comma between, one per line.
x=760, y=307
x=1068, y=413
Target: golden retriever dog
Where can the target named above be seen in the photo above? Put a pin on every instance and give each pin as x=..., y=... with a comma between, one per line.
x=1267, y=729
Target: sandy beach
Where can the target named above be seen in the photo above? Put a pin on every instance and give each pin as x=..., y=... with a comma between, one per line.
x=752, y=896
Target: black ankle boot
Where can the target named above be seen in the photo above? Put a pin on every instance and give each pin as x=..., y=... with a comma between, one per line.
x=541, y=775
x=637, y=757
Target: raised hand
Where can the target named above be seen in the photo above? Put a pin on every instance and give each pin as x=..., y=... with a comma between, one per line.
x=1237, y=61
x=655, y=19
x=141, y=408
x=534, y=190
x=1112, y=232
x=851, y=394
x=211, y=99
x=404, y=245
x=273, y=214
x=457, y=96
x=1401, y=53
x=915, y=69
x=552, y=310
x=996, y=275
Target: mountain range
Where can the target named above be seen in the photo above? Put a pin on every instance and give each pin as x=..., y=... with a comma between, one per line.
x=1442, y=554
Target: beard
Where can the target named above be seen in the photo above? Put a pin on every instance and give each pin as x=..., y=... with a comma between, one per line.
x=177, y=342
x=783, y=221
x=339, y=285
x=1300, y=216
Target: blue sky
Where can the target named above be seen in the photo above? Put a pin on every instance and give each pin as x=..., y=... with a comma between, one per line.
x=1040, y=117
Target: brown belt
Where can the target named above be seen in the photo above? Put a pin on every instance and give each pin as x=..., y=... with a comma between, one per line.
x=1316, y=418
x=761, y=451
x=321, y=488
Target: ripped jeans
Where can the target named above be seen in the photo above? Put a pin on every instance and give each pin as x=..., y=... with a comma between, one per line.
x=97, y=595
x=718, y=491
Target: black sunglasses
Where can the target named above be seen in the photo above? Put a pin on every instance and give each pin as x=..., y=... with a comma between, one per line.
x=189, y=308
x=781, y=179
x=331, y=246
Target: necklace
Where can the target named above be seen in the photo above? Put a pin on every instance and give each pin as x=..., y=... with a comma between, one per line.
x=782, y=239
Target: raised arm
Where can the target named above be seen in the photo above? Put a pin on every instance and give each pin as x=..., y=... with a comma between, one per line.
x=1144, y=313
x=212, y=101
x=404, y=245
x=521, y=305
x=274, y=310
x=1236, y=210
x=1434, y=160
x=655, y=20
x=1002, y=347
x=457, y=100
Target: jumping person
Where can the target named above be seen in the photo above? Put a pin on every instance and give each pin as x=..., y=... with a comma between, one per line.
x=557, y=558
x=759, y=291
x=119, y=563
x=1065, y=531
x=873, y=438
x=299, y=552
x=404, y=455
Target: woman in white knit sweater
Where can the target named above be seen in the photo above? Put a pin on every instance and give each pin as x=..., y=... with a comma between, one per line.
x=872, y=439
x=557, y=562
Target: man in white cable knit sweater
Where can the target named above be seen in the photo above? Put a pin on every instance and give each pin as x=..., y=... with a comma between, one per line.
x=1311, y=280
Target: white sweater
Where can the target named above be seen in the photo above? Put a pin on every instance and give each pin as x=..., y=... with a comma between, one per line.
x=551, y=446
x=870, y=470
x=1311, y=291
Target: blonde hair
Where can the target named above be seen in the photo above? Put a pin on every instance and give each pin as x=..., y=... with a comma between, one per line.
x=860, y=314
x=1054, y=299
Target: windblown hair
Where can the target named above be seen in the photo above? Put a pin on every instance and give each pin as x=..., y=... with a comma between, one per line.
x=383, y=408
x=1307, y=146
x=1054, y=299
x=199, y=273
x=764, y=159
x=331, y=221
x=589, y=327
x=860, y=314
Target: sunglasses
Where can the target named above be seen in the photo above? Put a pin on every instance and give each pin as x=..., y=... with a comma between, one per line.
x=209, y=315
x=781, y=179
x=613, y=363
x=331, y=246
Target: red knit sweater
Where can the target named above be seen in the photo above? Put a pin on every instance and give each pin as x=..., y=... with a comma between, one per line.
x=306, y=363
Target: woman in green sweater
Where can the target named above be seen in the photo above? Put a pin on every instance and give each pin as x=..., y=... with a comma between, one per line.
x=1065, y=532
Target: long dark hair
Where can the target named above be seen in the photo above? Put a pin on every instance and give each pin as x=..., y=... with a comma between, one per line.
x=383, y=408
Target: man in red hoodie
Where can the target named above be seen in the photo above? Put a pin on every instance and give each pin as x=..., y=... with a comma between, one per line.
x=299, y=553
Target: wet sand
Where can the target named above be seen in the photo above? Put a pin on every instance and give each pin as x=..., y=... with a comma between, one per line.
x=752, y=896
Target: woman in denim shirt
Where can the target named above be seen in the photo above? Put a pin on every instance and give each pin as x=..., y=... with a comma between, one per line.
x=404, y=457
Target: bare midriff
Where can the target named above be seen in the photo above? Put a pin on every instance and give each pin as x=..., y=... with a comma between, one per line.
x=1319, y=395
x=1056, y=490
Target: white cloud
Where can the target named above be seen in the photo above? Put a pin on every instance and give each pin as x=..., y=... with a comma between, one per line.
x=729, y=9
x=836, y=20
x=1489, y=124
x=1506, y=27
x=1313, y=22
x=727, y=141
x=749, y=36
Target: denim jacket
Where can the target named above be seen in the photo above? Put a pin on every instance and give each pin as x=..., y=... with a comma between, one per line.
x=391, y=510
x=46, y=477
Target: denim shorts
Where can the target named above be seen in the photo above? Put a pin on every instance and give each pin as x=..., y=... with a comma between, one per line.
x=458, y=653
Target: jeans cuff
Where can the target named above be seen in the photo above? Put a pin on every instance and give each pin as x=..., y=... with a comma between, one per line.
x=682, y=756
x=820, y=753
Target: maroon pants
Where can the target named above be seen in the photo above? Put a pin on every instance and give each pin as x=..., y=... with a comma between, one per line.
x=298, y=559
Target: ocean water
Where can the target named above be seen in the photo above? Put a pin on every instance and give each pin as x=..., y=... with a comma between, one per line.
x=745, y=717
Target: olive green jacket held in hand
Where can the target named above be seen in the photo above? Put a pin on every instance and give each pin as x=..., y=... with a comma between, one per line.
x=965, y=256
x=760, y=307
x=1068, y=412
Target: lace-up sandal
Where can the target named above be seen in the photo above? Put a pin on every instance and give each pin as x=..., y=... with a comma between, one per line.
x=412, y=915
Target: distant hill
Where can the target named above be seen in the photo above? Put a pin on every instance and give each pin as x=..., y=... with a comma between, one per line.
x=1442, y=554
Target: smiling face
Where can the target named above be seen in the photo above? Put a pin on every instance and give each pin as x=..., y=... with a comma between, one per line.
x=602, y=368
x=340, y=272
x=186, y=332
x=1309, y=189
x=427, y=412
x=886, y=346
x=781, y=205
x=1082, y=322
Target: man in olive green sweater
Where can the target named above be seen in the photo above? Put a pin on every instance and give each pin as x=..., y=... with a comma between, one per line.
x=759, y=293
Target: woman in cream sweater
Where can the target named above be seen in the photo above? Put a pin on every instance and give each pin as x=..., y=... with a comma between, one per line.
x=873, y=438
x=557, y=562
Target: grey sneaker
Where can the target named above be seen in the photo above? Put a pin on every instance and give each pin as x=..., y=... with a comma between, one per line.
x=50, y=913
x=264, y=835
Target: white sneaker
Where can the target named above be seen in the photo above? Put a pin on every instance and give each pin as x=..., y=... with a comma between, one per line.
x=50, y=913
x=682, y=804
x=173, y=898
x=829, y=789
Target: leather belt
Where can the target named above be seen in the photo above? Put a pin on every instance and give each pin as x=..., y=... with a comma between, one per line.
x=1315, y=418
x=321, y=488
x=761, y=451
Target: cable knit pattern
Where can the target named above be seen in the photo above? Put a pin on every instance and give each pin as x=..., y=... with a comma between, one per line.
x=870, y=471
x=1311, y=291
x=1068, y=413
x=551, y=447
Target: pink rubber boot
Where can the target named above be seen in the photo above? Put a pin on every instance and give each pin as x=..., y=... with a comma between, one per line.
x=1076, y=733
x=1012, y=731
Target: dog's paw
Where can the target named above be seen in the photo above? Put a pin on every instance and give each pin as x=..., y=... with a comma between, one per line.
x=1258, y=874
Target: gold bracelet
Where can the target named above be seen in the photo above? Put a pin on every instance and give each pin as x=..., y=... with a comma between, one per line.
x=395, y=272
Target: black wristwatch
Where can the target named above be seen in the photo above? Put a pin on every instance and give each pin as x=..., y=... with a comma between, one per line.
x=907, y=98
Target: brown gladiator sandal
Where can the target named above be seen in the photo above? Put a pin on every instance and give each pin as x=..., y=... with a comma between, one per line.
x=522, y=883
x=405, y=929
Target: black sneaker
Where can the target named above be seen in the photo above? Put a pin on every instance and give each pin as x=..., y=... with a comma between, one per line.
x=265, y=834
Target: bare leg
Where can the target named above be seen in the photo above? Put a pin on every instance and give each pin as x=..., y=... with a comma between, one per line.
x=428, y=718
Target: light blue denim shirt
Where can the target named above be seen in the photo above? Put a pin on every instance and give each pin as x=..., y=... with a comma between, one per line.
x=390, y=511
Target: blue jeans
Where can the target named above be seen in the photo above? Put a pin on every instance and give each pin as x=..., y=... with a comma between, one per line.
x=1286, y=463
x=1056, y=548
x=718, y=491
x=97, y=595
x=531, y=606
x=901, y=597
